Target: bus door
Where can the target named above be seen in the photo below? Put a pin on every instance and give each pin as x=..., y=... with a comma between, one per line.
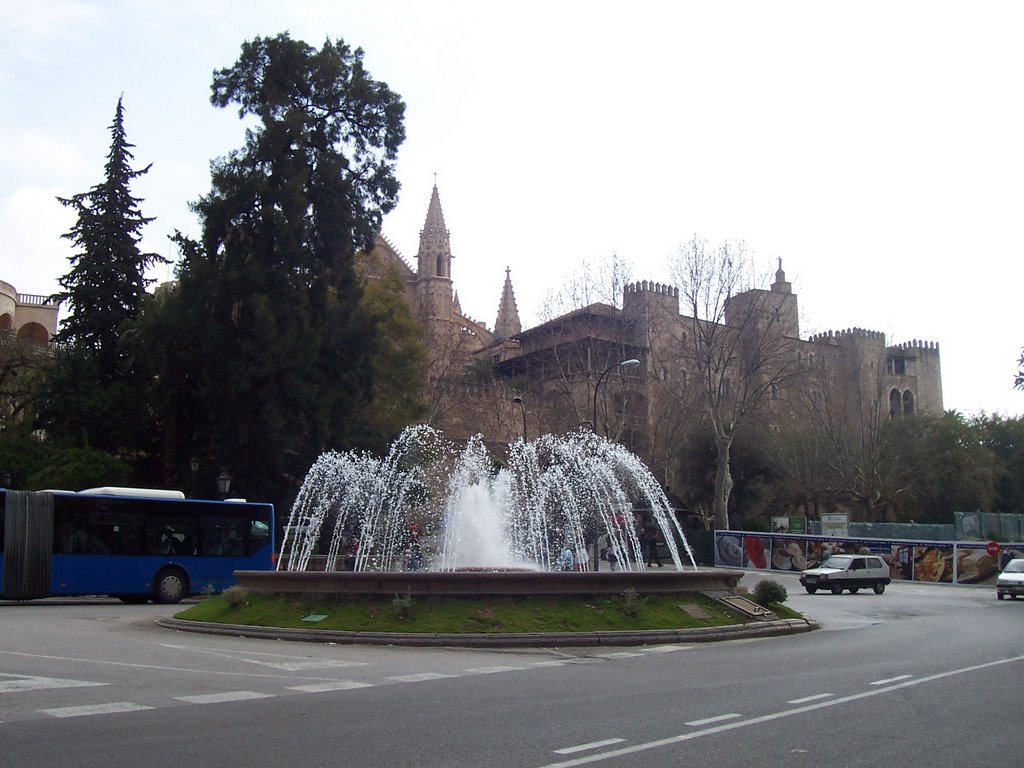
x=28, y=545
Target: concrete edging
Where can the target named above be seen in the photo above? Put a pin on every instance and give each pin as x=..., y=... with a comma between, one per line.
x=501, y=640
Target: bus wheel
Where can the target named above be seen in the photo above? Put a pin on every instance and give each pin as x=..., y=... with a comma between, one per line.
x=170, y=586
x=133, y=599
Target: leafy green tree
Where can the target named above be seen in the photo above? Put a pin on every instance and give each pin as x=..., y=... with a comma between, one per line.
x=1004, y=437
x=91, y=396
x=270, y=343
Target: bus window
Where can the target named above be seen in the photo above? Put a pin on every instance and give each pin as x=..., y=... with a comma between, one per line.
x=171, y=535
x=222, y=536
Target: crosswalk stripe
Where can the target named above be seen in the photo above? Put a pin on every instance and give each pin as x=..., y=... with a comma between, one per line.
x=95, y=709
x=218, y=698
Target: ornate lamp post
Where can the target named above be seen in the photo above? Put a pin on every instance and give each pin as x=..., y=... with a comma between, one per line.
x=223, y=483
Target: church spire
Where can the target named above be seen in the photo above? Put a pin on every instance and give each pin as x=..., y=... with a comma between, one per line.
x=781, y=285
x=435, y=254
x=507, y=325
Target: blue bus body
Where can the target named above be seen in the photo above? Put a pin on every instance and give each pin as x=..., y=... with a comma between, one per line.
x=135, y=547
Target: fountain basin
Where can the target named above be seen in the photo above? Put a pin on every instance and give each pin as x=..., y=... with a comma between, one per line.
x=484, y=583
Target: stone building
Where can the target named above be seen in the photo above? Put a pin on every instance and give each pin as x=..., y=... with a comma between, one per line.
x=566, y=373
x=32, y=318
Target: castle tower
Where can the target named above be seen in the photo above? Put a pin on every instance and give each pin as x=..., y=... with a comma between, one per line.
x=507, y=325
x=433, y=288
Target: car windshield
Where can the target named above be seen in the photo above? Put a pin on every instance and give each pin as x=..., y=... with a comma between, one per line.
x=837, y=561
x=1014, y=566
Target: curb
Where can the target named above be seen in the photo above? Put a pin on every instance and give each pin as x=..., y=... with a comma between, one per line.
x=501, y=640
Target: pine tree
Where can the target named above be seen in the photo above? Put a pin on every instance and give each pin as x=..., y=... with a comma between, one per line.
x=92, y=396
x=107, y=281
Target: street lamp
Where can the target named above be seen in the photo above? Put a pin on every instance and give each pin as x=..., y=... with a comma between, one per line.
x=519, y=399
x=193, y=468
x=600, y=380
x=223, y=483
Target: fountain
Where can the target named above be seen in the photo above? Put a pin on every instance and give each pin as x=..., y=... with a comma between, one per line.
x=477, y=527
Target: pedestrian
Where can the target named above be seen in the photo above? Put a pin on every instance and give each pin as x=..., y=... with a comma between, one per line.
x=566, y=561
x=352, y=553
x=652, y=548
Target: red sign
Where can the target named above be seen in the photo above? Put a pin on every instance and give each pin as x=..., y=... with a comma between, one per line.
x=993, y=548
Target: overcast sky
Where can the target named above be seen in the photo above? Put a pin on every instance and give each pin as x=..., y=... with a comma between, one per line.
x=875, y=147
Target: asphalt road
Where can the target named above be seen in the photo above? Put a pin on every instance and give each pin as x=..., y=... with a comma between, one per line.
x=922, y=675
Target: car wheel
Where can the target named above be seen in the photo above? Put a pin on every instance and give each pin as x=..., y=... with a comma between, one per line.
x=811, y=590
x=999, y=595
x=170, y=586
x=837, y=589
x=854, y=590
x=879, y=588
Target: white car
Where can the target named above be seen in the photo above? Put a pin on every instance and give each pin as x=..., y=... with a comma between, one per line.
x=1011, y=580
x=850, y=572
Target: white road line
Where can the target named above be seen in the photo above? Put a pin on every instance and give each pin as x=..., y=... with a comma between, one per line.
x=585, y=747
x=31, y=683
x=337, y=685
x=667, y=648
x=619, y=655
x=490, y=670
x=800, y=710
x=715, y=719
x=421, y=677
x=891, y=680
x=548, y=663
x=293, y=663
x=816, y=697
x=95, y=709
x=219, y=698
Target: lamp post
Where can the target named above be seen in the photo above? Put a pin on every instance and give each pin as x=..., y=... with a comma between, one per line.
x=223, y=483
x=600, y=380
x=519, y=399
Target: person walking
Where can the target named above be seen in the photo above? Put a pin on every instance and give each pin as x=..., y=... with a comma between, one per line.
x=651, y=537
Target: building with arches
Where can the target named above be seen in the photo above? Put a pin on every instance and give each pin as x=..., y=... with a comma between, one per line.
x=30, y=317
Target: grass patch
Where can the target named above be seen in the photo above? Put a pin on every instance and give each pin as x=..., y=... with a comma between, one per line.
x=471, y=615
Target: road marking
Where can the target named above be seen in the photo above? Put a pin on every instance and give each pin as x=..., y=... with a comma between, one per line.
x=421, y=677
x=800, y=710
x=491, y=670
x=219, y=698
x=816, y=697
x=585, y=747
x=715, y=719
x=291, y=663
x=561, y=663
x=667, y=648
x=891, y=680
x=338, y=685
x=31, y=683
x=95, y=709
x=619, y=655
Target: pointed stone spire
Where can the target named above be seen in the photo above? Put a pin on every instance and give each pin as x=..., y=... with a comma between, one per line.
x=780, y=285
x=455, y=303
x=435, y=254
x=507, y=325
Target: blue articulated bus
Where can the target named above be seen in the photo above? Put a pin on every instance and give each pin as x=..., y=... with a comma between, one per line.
x=135, y=544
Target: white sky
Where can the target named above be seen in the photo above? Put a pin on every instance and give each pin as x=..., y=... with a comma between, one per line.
x=876, y=147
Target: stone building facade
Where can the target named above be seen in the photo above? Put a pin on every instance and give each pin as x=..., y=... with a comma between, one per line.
x=33, y=318
x=566, y=374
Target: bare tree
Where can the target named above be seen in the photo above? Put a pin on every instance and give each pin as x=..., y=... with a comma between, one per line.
x=738, y=343
x=600, y=281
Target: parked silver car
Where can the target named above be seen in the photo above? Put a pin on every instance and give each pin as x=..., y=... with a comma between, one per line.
x=1011, y=580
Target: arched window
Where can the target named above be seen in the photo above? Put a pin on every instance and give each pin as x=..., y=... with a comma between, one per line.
x=894, y=403
x=6, y=321
x=908, y=403
x=34, y=333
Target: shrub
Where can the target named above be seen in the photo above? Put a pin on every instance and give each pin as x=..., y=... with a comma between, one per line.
x=234, y=596
x=768, y=591
x=403, y=605
x=631, y=602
